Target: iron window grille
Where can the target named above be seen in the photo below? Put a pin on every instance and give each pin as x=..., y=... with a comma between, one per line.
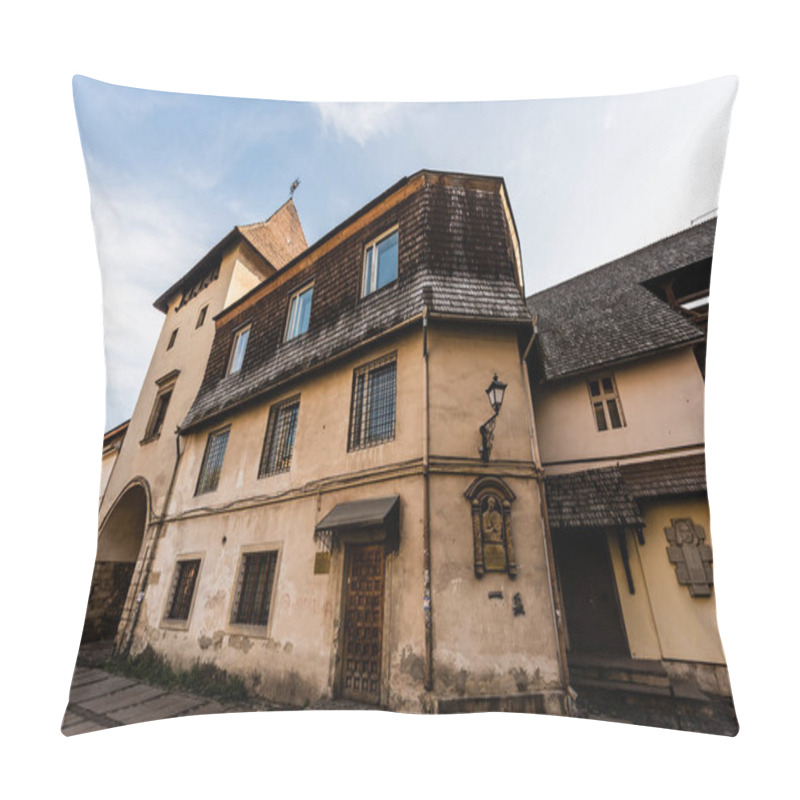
x=380, y=263
x=605, y=403
x=212, y=461
x=372, y=409
x=183, y=584
x=254, y=588
x=299, y=313
x=172, y=337
x=238, y=350
x=201, y=317
x=279, y=440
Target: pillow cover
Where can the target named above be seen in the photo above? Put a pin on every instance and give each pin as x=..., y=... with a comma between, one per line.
x=405, y=407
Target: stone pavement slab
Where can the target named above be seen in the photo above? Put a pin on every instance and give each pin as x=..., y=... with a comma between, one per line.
x=138, y=693
x=112, y=683
x=168, y=705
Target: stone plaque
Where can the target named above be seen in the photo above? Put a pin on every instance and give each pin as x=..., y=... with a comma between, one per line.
x=322, y=563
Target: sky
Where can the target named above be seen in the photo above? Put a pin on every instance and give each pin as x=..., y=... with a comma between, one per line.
x=589, y=180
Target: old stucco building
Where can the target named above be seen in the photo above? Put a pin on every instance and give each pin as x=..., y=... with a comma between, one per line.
x=322, y=521
x=314, y=493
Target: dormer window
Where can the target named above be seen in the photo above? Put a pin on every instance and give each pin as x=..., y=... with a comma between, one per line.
x=299, y=312
x=380, y=263
x=237, y=351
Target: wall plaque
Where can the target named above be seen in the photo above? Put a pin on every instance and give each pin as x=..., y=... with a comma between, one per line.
x=493, y=545
x=322, y=563
x=691, y=556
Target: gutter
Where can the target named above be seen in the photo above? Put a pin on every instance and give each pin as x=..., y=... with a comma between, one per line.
x=556, y=602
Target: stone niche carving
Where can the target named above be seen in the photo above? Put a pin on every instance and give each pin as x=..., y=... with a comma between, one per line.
x=491, y=500
x=691, y=556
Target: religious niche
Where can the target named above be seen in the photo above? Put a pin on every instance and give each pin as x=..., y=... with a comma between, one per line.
x=493, y=545
x=691, y=556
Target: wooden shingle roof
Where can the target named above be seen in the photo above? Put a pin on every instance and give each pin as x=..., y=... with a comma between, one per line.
x=606, y=315
x=280, y=238
x=456, y=258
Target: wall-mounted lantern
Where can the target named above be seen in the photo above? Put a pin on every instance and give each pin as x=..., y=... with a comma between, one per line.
x=495, y=393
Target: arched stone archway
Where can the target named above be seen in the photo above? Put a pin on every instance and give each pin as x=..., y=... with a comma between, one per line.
x=117, y=550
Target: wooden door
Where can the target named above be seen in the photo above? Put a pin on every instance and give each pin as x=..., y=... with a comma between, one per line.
x=591, y=603
x=363, y=623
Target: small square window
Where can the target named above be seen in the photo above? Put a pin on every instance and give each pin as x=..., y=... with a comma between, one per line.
x=172, y=337
x=201, y=317
x=212, y=461
x=605, y=403
x=279, y=440
x=182, y=591
x=380, y=263
x=254, y=588
x=299, y=312
x=238, y=350
x=372, y=409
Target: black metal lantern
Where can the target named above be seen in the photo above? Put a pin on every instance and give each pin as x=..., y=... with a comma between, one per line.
x=496, y=392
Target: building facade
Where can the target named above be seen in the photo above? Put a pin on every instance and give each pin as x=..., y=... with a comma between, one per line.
x=618, y=394
x=322, y=522
x=313, y=492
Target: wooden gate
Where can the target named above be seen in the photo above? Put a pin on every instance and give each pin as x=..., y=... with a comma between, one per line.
x=363, y=623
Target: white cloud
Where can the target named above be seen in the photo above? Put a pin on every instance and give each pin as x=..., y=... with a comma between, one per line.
x=359, y=121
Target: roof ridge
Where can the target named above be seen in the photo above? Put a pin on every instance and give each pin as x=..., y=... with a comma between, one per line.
x=268, y=219
x=605, y=264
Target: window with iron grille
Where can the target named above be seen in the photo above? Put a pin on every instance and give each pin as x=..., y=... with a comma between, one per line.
x=212, y=461
x=254, y=588
x=372, y=410
x=279, y=441
x=180, y=601
x=605, y=403
x=380, y=262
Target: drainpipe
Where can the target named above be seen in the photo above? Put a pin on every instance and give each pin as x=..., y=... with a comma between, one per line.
x=555, y=596
x=142, y=588
x=426, y=510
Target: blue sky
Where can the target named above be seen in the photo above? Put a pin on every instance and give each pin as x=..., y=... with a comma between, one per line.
x=171, y=174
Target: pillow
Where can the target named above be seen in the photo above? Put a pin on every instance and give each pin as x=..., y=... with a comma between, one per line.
x=405, y=407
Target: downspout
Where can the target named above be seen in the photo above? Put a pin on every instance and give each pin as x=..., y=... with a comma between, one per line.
x=555, y=596
x=426, y=509
x=153, y=545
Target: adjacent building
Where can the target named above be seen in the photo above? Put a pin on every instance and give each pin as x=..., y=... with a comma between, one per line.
x=618, y=394
x=314, y=493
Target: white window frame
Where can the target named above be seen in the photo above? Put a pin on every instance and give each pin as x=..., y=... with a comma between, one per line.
x=371, y=277
x=293, y=316
x=237, y=337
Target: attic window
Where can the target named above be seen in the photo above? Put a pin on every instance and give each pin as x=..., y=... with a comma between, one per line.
x=238, y=350
x=605, y=403
x=299, y=312
x=380, y=263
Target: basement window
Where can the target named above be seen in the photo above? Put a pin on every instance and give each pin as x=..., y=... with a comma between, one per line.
x=372, y=409
x=182, y=591
x=253, y=595
x=212, y=461
x=238, y=350
x=299, y=313
x=605, y=403
x=279, y=441
x=380, y=263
